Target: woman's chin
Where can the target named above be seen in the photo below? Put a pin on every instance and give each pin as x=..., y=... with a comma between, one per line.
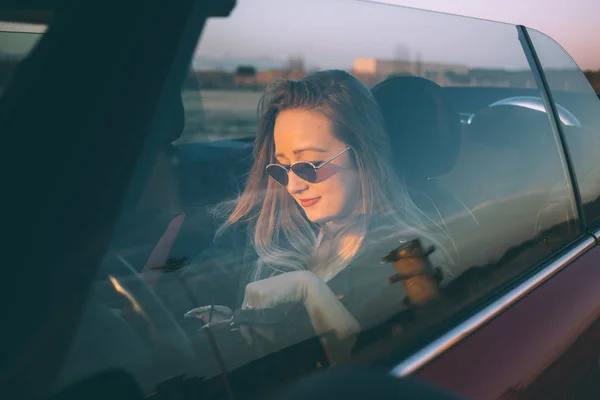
x=329, y=218
x=317, y=221
x=319, y=218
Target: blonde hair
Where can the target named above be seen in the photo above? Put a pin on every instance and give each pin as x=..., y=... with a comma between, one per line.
x=283, y=238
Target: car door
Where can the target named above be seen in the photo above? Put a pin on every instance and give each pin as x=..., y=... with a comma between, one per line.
x=483, y=155
x=545, y=344
x=501, y=178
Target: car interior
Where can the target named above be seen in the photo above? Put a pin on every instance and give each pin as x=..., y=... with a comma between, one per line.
x=436, y=149
x=456, y=136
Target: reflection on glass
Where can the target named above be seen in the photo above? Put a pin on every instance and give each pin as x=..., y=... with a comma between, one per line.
x=285, y=240
x=322, y=205
x=449, y=50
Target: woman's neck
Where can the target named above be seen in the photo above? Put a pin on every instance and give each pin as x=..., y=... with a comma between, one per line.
x=339, y=243
x=331, y=228
x=339, y=236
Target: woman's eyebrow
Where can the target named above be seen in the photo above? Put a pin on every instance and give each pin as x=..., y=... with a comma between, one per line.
x=303, y=149
x=310, y=148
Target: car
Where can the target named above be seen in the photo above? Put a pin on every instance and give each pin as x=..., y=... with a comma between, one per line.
x=127, y=132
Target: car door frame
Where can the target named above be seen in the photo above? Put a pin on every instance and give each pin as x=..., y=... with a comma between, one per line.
x=69, y=83
x=440, y=354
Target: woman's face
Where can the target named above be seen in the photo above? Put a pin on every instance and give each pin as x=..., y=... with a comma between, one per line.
x=307, y=135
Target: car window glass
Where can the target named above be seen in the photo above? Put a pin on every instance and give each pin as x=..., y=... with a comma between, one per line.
x=375, y=142
x=16, y=41
x=578, y=107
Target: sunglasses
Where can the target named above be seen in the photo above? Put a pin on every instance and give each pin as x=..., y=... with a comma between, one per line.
x=303, y=169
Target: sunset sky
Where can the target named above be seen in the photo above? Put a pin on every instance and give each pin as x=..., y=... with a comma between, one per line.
x=334, y=33
x=574, y=23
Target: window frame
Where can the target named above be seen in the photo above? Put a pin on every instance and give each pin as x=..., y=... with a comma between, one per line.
x=582, y=244
x=546, y=270
x=554, y=119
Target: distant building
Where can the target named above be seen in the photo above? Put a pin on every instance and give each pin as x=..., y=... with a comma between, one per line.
x=372, y=71
x=382, y=69
x=366, y=66
x=296, y=64
x=264, y=77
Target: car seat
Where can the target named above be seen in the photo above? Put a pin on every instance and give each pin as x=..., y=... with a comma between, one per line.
x=425, y=133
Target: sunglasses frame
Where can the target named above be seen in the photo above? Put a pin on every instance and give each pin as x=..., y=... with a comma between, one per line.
x=315, y=168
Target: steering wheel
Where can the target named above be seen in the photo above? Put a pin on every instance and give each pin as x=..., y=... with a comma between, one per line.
x=170, y=348
x=146, y=312
x=124, y=325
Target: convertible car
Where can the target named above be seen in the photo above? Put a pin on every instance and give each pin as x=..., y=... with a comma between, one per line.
x=127, y=132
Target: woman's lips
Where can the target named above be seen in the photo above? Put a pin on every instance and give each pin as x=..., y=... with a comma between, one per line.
x=309, y=202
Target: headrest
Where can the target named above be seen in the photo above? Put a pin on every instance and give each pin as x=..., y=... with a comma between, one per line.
x=509, y=126
x=423, y=125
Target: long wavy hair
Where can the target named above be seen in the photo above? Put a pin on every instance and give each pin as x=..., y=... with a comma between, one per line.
x=284, y=239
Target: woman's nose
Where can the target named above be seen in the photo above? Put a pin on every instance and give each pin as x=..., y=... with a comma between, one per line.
x=295, y=183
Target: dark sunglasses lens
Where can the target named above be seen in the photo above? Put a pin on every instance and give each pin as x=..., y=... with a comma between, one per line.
x=278, y=173
x=305, y=171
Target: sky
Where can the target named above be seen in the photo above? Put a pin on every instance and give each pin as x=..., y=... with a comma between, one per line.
x=573, y=23
x=333, y=33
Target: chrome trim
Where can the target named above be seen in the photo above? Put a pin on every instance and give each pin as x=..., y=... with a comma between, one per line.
x=597, y=234
x=465, y=328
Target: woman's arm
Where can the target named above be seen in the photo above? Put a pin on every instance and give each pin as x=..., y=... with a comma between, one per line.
x=326, y=312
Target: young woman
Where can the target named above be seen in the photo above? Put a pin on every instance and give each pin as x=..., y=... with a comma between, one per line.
x=322, y=206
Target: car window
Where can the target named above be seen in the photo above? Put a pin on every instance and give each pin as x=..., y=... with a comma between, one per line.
x=578, y=107
x=16, y=41
x=337, y=186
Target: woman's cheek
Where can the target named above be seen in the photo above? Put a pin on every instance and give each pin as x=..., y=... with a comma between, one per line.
x=350, y=188
x=343, y=194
